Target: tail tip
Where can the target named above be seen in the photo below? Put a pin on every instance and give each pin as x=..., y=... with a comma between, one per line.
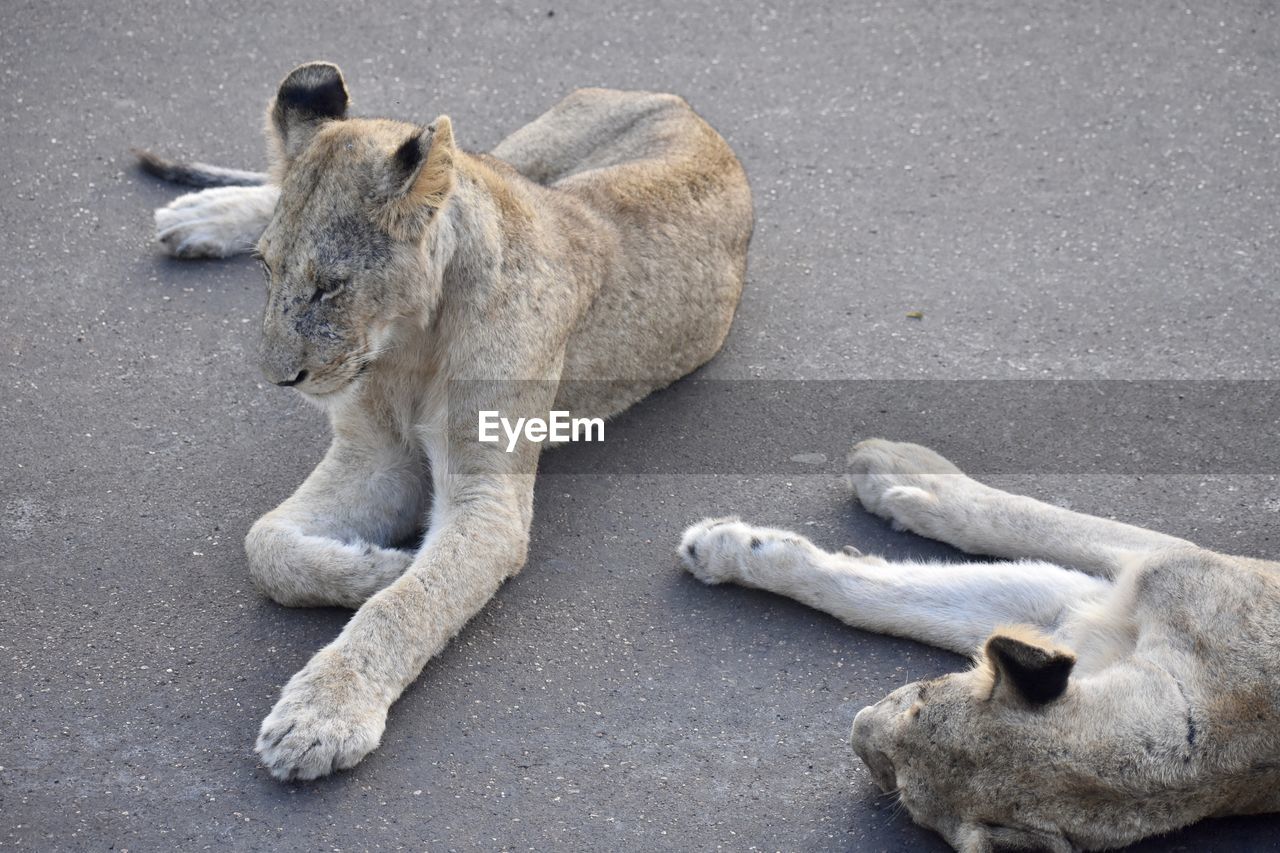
x=152, y=164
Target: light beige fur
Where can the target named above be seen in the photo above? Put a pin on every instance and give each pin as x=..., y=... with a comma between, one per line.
x=1127, y=695
x=596, y=255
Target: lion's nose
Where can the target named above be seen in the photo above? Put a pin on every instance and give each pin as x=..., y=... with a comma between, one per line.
x=862, y=725
x=289, y=383
x=882, y=772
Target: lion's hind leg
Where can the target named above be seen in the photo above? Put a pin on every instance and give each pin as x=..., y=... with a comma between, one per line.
x=920, y=491
x=953, y=606
x=588, y=129
x=215, y=223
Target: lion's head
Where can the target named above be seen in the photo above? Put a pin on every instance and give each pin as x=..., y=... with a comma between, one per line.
x=349, y=251
x=1013, y=754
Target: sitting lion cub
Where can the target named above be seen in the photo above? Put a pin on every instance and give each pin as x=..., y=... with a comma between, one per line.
x=1130, y=694
x=410, y=285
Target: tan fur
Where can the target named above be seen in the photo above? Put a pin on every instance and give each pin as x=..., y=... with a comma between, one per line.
x=1166, y=710
x=596, y=255
x=435, y=181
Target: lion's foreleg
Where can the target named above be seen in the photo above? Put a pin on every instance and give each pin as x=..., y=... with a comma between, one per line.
x=954, y=606
x=215, y=223
x=332, y=713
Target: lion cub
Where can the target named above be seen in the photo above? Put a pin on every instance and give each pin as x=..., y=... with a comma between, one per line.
x=595, y=255
x=1127, y=695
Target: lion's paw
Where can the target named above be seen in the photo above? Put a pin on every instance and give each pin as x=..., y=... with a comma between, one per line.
x=327, y=719
x=717, y=550
x=215, y=223
x=905, y=482
x=703, y=553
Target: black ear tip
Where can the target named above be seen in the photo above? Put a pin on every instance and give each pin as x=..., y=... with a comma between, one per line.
x=314, y=74
x=410, y=153
x=1039, y=675
x=1048, y=682
x=316, y=88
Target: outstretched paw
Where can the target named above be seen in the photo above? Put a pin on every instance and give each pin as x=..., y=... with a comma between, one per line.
x=327, y=719
x=701, y=552
x=717, y=550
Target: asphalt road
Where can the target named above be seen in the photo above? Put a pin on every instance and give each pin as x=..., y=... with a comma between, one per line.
x=1072, y=191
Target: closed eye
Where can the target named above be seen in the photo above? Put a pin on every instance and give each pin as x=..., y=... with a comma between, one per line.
x=326, y=287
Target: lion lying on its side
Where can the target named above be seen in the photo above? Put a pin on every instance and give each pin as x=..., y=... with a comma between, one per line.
x=1128, y=698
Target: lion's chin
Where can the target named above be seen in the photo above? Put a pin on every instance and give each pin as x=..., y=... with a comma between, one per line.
x=334, y=396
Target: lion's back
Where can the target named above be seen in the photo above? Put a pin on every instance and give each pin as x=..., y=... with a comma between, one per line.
x=680, y=207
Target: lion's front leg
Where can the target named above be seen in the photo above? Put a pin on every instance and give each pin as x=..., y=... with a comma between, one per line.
x=332, y=713
x=953, y=606
x=331, y=542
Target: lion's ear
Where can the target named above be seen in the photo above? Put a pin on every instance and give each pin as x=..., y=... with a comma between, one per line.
x=1028, y=665
x=422, y=167
x=310, y=96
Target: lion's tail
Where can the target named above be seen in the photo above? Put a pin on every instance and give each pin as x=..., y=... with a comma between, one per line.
x=196, y=174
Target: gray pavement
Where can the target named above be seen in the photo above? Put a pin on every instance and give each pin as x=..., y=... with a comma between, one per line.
x=1074, y=190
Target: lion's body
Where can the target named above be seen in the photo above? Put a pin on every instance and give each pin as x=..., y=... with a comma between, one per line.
x=1125, y=683
x=672, y=215
x=596, y=255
